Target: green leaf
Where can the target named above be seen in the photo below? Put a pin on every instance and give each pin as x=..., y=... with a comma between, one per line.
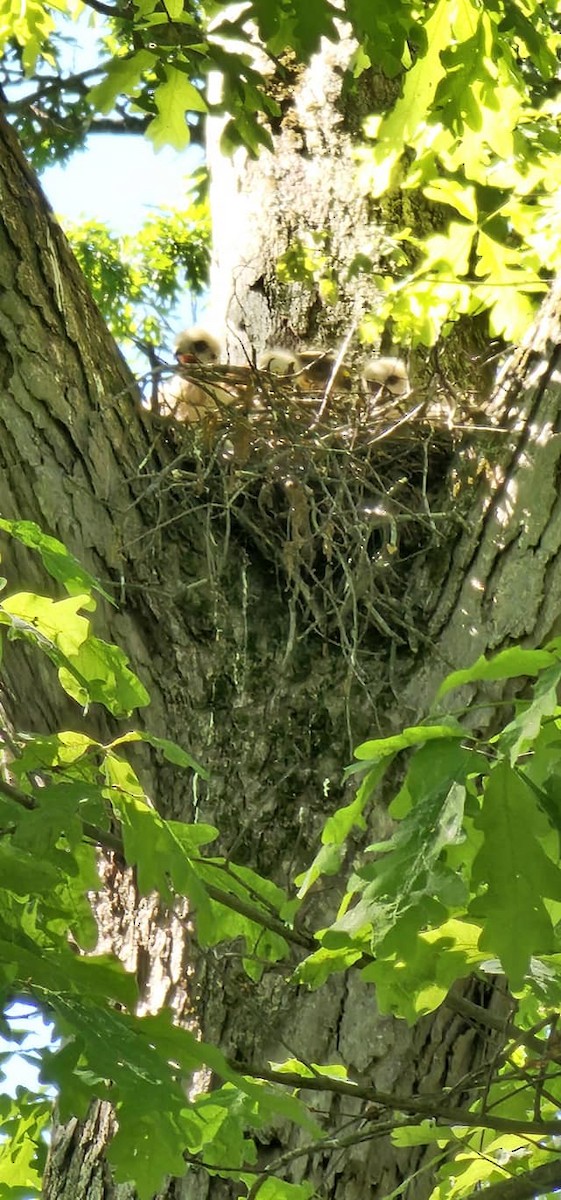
x=516, y=875
x=400, y=128
x=52, y=624
x=414, y=735
x=261, y=898
x=279, y=1189
x=105, y=677
x=103, y=976
x=291, y=24
x=24, y=1126
x=89, y=669
x=123, y=74
x=520, y=734
x=457, y=195
x=173, y=100
x=56, y=812
x=59, y=750
x=313, y=21
x=148, y=1146
x=23, y=873
x=30, y=26
x=450, y=251
x=294, y=1066
x=424, y=1134
x=399, y=887
x=507, y=665
x=153, y=848
x=511, y=311
x=56, y=559
x=382, y=30
x=326, y=862
x=314, y=970
x=170, y=750
x=415, y=981
x=338, y=826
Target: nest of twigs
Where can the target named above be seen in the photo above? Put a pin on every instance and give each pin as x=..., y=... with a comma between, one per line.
x=338, y=494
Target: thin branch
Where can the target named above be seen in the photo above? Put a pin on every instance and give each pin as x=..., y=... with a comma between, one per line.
x=261, y=918
x=336, y=365
x=109, y=841
x=474, y=1012
x=54, y=84
x=425, y=1106
x=331, y=1142
x=108, y=10
x=523, y=1187
x=126, y=123
x=101, y=837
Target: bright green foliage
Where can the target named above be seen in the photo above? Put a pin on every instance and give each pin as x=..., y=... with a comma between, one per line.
x=57, y=560
x=24, y=1123
x=467, y=881
x=121, y=75
x=31, y=26
x=153, y=68
x=172, y=99
x=137, y=279
x=509, y=664
x=512, y=887
x=476, y=128
x=294, y=26
x=308, y=261
x=89, y=669
x=65, y=791
x=476, y=843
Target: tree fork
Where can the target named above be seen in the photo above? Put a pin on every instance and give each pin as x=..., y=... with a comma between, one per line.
x=68, y=413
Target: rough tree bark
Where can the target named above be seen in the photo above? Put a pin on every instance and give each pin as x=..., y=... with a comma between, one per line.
x=209, y=633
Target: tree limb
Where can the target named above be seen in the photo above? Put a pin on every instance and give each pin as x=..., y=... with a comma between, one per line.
x=111, y=841
x=425, y=1106
x=523, y=1187
x=56, y=84
x=474, y=1012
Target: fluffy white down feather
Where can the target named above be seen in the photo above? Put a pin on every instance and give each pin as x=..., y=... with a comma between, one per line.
x=192, y=399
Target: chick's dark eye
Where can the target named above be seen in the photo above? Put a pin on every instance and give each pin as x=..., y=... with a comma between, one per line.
x=200, y=346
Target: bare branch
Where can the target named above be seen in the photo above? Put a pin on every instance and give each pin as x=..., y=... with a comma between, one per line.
x=56, y=84
x=126, y=123
x=122, y=124
x=108, y=10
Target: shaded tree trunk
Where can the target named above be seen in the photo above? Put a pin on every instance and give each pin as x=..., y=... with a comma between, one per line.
x=206, y=620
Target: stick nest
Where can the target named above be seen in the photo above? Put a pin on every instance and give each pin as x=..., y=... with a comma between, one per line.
x=339, y=496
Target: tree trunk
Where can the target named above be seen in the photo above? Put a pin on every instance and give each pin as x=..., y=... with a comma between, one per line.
x=238, y=664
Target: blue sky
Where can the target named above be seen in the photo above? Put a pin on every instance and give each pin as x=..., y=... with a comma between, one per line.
x=22, y=1069
x=119, y=179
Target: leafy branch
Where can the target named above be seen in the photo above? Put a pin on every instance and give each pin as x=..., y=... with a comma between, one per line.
x=419, y=911
x=428, y=1106
x=546, y=1178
